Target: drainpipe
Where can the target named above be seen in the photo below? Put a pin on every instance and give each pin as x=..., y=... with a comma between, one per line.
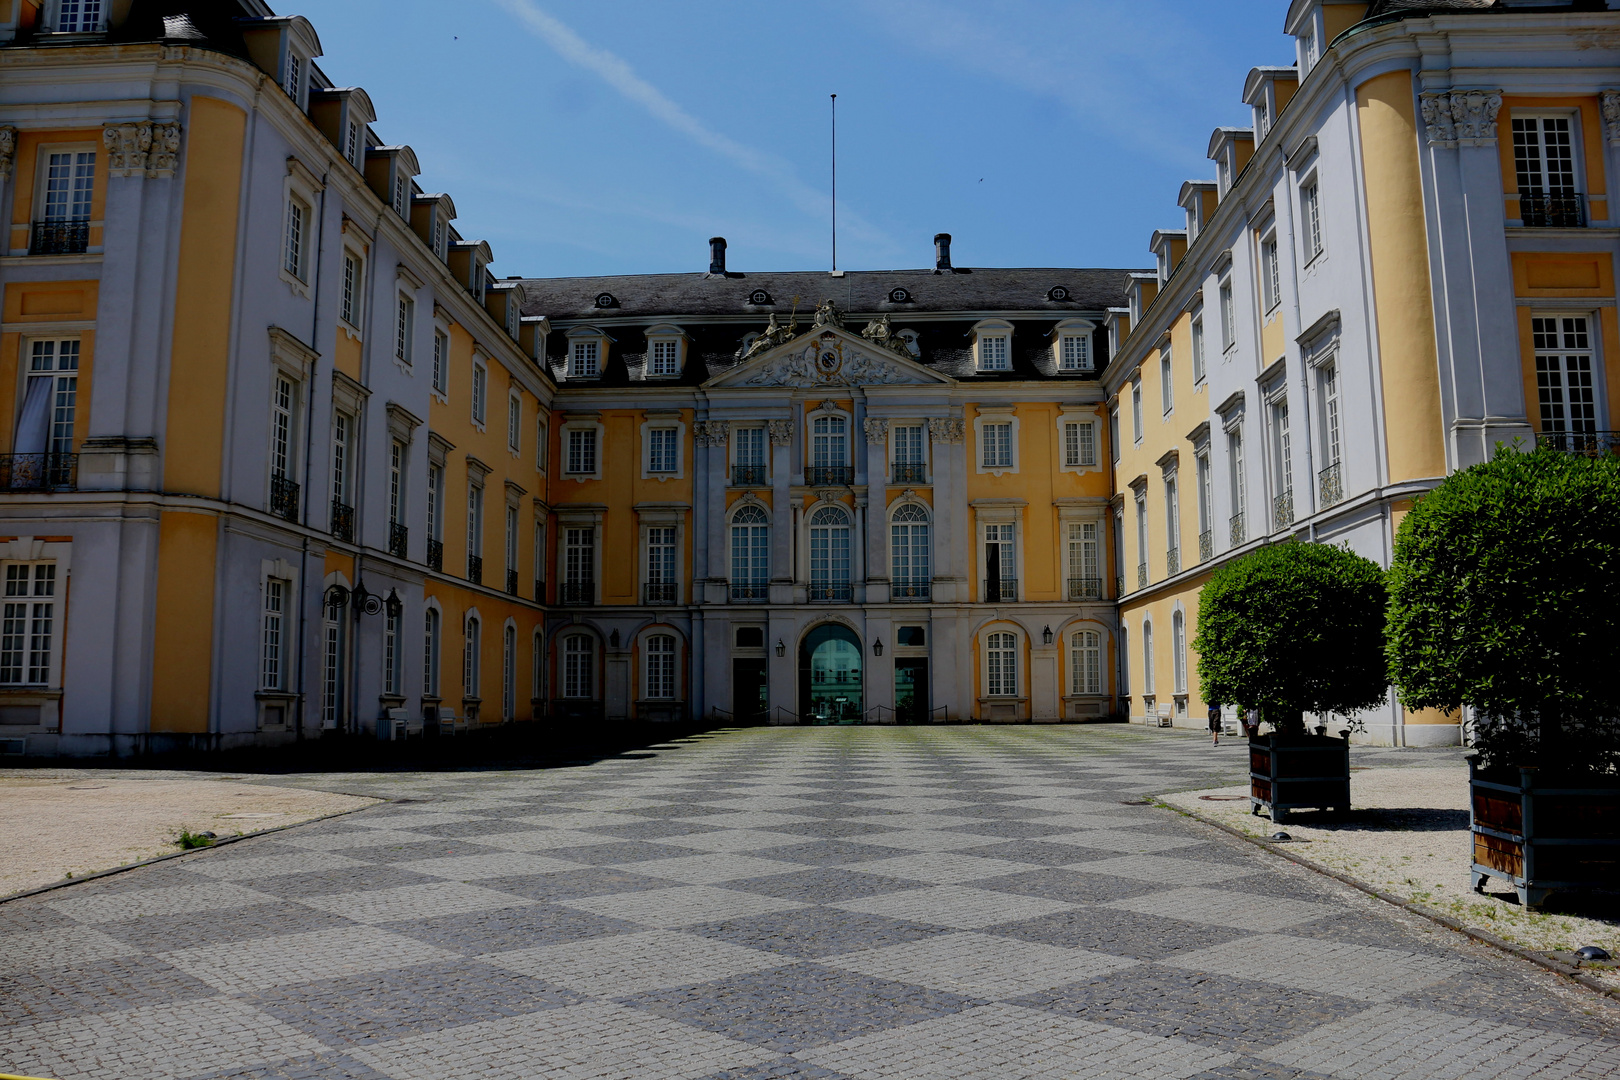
x=309, y=438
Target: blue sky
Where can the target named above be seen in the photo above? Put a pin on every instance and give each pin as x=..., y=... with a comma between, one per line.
x=617, y=136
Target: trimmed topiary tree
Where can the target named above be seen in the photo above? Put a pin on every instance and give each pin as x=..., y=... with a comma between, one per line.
x=1505, y=597
x=1294, y=628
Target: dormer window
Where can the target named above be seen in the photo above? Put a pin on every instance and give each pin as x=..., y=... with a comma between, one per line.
x=81, y=17
x=1223, y=170
x=512, y=317
x=586, y=360
x=401, y=190
x=351, y=144
x=1074, y=346
x=437, y=241
x=295, y=74
x=994, y=347
x=664, y=346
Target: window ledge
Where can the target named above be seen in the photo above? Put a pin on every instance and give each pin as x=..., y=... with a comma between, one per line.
x=29, y=694
x=90, y=257
x=299, y=288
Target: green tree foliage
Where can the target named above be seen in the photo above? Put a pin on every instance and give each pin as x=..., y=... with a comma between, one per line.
x=1503, y=597
x=1292, y=628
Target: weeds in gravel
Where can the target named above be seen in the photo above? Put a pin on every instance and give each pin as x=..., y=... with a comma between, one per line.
x=189, y=840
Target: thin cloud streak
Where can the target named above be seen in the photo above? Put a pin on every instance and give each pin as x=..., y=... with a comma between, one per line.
x=621, y=77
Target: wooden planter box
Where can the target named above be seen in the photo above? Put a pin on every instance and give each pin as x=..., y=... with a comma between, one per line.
x=1543, y=835
x=1298, y=772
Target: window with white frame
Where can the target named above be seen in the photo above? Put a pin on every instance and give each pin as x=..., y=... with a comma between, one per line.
x=542, y=443
x=472, y=655
x=512, y=539
x=70, y=184
x=351, y=143
x=84, y=17
x=582, y=450
x=578, y=666
x=480, y=392
x=1167, y=381
x=1310, y=207
x=353, y=288
x=1148, y=680
x=1282, y=451
x=663, y=450
x=1327, y=385
x=405, y=330
x=1198, y=348
x=908, y=444
x=1178, y=650
x=537, y=666
x=1001, y=556
x=829, y=553
x=295, y=71
x=514, y=423
x=1172, y=515
x=996, y=445
x=272, y=635
x=1085, y=662
x=1544, y=154
x=1270, y=272
x=585, y=360
x=49, y=414
x=660, y=667
x=283, y=420
x=475, y=516
x=748, y=449
x=1206, y=506
x=436, y=233
x=539, y=559
x=661, y=555
x=1136, y=409
x=1141, y=534
x=1001, y=664
x=1124, y=660
x=829, y=441
x=1113, y=435
x=28, y=630
x=1234, y=458
x=1564, y=388
x=402, y=188
x=509, y=673
x=396, y=482
x=1082, y=558
x=294, y=251
x=1075, y=352
x=664, y=358
x=1079, y=443
x=750, y=550
x=435, y=502
x=994, y=352
x=579, y=555
x=1307, y=46
x=1228, y=314
x=430, y=652
x=441, y=361
x=392, y=675
x=908, y=550
x=333, y=660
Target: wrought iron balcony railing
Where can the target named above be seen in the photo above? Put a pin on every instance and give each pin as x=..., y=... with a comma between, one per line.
x=41, y=472
x=749, y=594
x=658, y=592
x=910, y=472
x=748, y=476
x=1172, y=562
x=1085, y=588
x=342, y=521
x=1206, y=545
x=284, y=497
x=1141, y=575
x=435, y=555
x=1590, y=443
x=1282, y=510
x=577, y=592
x=475, y=569
x=1238, y=533
x=511, y=583
x=1564, y=211
x=829, y=474
x=1119, y=585
x=831, y=593
x=399, y=537
x=59, y=238
x=910, y=591
x=1330, y=484
x=1001, y=590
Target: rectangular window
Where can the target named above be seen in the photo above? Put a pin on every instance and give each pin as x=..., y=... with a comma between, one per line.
x=1172, y=515
x=996, y=440
x=661, y=667
x=480, y=393
x=342, y=427
x=332, y=659
x=662, y=450
x=993, y=353
x=282, y=445
x=586, y=360
x=1270, y=272
x=1001, y=665
x=579, y=556
x=70, y=182
x=539, y=558
x=1228, y=315
x=1085, y=661
x=750, y=551
x=295, y=73
x=661, y=556
x=1544, y=155
x=1000, y=553
x=84, y=17
x=514, y=423
x=471, y=658
x=1167, y=382
x=392, y=675
x=1136, y=410
x=350, y=306
x=441, y=361
x=293, y=253
x=1076, y=353
x=582, y=450
x=430, y=653
x=1310, y=202
x=828, y=441
x=1205, y=493
x=1198, y=350
x=396, y=482
x=435, y=502
x=1113, y=436
x=28, y=628
x=1141, y=532
x=1079, y=443
x=438, y=234
x=1083, y=550
x=542, y=443
x=512, y=538
x=475, y=519
x=1234, y=458
x=908, y=445
x=663, y=358
x=272, y=658
x=1328, y=380
x=405, y=330
x=1564, y=374
x=400, y=191
x=1282, y=448
x=577, y=665
x=749, y=446
x=351, y=143
x=49, y=413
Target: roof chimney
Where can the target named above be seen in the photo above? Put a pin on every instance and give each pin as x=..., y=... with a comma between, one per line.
x=717, y=255
x=942, y=251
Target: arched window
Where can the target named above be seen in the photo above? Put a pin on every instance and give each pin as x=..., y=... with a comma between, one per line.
x=537, y=688
x=908, y=552
x=1178, y=645
x=750, y=554
x=659, y=662
x=430, y=653
x=1124, y=660
x=829, y=554
x=1147, y=658
x=1085, y=661
x=470, y=656
x=509, y=673
x=1001, y=665
x=578, y=657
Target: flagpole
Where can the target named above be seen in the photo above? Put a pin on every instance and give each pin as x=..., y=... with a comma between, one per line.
x=835, y=183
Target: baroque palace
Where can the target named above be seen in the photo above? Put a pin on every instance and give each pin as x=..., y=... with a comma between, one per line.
x=287, y=459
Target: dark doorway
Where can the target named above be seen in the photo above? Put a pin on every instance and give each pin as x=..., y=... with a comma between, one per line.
x=830, y=676
x=911, y=690
x=750, y=691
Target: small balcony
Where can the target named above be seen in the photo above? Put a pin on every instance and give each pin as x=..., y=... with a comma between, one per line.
x=435, y=555
x=1330, y=484
x=511, y=583
x=1141, y=575
x=831, y=593
x=749, y=594
x=475, y=569
x=1239, y=532
x=1206, y=545
x=59, y=238
x=46, y=472
x=1172, y=562
x=1282, y=510
x=1085, y=588
x=342, y=522
x=577, y=592
x=748, y=476
x=399, y=538
x=1589, y=443
x=1001, y=590
x=910, y=592
x=817, y=475
x=1564, y=211
x=1119, y=585
x=910, y=472
x=284, y=497
x=659, y=592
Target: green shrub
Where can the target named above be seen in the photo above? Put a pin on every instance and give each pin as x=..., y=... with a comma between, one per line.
x=1291, y=628
x=1503, y=594
x=189, y=840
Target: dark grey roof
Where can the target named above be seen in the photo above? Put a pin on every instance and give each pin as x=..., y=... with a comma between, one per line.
x=1430, y=7
x=651, y=295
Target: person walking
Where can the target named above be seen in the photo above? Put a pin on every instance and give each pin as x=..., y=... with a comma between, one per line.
x=1215, y=722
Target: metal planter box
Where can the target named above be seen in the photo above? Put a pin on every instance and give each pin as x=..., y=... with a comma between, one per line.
x=1298, y=772
x=1542, y=835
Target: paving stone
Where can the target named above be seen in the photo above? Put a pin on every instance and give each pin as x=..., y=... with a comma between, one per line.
x=1067, y=884
x=679, y=906
x=1117, y=932
x=1361, y=972
x=265, y=866
x=624, y=964
x=476, y=932
x=813, y=932
x=712, y=868
x=158, y=933
x=823, y=886
x=94, y=986
x=941, y=867
x=324, y=1066
x=319, y=883
x=422, y=848
x=980, y=965
x=414, y=901
x=322, y=954
x=573, y=884
x=62, y=947
x=106, y=905
x=1182, y=870
x=1228, y=907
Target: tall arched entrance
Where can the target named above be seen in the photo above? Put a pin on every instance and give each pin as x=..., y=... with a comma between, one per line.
x=830, y=676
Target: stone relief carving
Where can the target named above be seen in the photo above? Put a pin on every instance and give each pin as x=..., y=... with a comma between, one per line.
x=827, y=314
x=127, y=146
x=951, y=430
x=8, y=151
x=878, y=333
x=711, y=432
x=828, y=362
x=165, y=154
x=1610, y=100
x=877, y=431
x=1460, y=117
x=780, y=432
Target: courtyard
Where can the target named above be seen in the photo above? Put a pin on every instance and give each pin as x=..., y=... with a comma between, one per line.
x=991, y=902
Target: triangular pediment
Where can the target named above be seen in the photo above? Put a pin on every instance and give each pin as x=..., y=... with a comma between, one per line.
x=830, y=356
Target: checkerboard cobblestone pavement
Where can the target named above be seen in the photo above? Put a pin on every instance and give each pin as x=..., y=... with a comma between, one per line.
x=800, y=903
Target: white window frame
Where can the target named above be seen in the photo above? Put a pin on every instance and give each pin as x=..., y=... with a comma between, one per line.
x=1000, y=518
x=1270, y=271
x=1079, y=359
x=514, y=422
x=1178, y=650
x=989, y=416
x=1167, y=380
x=472, y=654
x=478, y=400
x=32, y=601
x=405, y=330
x=1001, y=647
x=82, y=25
x=276, y=601
x=1228, y=306
x=987, y=357
x=542, y=443
x=352, y=291
x=509, y=671
x=301, y=188
x=753, y=542
x=441, y=363
x=675, y=340
x=1577, y=165
x=1085, y=662
x=578, y=661
x=911, y=574
x=1558, y=352
x=1137, y=427
x=663, y=422
x=568, y=456
x=1330, y=399
x=587, y=356
x=1081, y=454
x=1310, y=216
x=1196, y=329
x=660, y=677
